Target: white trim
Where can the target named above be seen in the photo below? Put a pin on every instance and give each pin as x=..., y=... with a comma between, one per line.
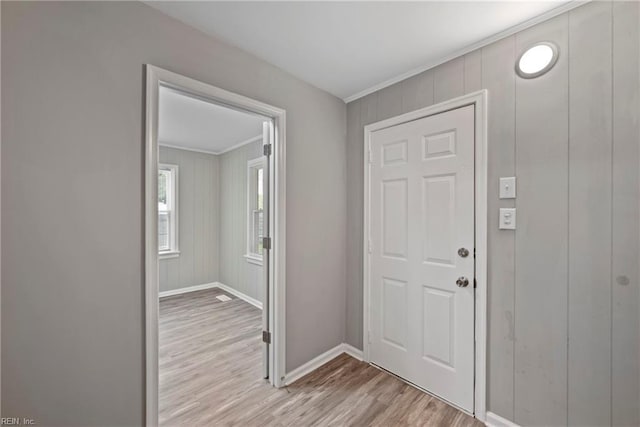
x=174, y=237
x=188, y=289
x=494, y=420
x=352, y=351
x=155, y=77
x=254, y=302
x=240, y=144
x=151, y=247
x=168, y=254
x=322, y=359
x=194, y=150
x=470, y=48
x=313, y=364
x=211, y=152
x=479, y=100
x=253, y=259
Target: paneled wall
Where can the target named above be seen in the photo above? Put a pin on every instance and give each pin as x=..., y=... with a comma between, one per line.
x=563, y=288
x=212, y=203
x=198, y=220
x=235, y=271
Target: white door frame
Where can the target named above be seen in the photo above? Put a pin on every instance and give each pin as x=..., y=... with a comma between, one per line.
x=156, y=77
x=479, y=101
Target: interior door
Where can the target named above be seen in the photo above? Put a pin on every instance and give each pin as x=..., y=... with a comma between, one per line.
x=422, y=253
x=267, y=139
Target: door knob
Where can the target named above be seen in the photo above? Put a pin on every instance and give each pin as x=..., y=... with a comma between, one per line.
x=463, y=252
x=462, y=282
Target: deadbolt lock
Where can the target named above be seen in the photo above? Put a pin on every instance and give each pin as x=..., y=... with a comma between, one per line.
x=463, y=252
x=462, y=282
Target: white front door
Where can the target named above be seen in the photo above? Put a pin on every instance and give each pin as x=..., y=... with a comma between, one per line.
x=421, y=222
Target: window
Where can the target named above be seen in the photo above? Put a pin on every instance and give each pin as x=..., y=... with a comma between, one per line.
x=255, y=210
x=167, y=210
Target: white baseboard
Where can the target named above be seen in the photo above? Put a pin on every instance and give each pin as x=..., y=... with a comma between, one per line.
x=353, y=352
x=219, y=285
x=187, y=289
x=494, y=420
x=239, y=294
x=318, y=361
x=313, y=364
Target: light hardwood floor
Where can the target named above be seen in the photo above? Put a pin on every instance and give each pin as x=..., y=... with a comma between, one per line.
x=210, y=375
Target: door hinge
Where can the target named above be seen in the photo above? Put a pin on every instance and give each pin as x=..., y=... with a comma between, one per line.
x=475, y=283
x=370, y=247
x=266, y=337
x=266, y=149
x=266, y=243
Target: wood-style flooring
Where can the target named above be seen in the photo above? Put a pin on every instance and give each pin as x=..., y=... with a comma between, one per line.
x=210, y=375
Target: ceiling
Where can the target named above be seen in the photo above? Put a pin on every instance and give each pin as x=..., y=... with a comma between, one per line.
x=348, y=48
x=188, y=122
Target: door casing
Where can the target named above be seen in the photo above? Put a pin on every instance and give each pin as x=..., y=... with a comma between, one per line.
x=479, y=101
x=276, y=259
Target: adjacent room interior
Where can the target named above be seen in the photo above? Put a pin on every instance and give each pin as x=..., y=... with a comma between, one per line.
x=211, y=278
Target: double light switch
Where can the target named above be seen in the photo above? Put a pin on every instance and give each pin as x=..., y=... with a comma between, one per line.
x=508, y=191
x=507, y=218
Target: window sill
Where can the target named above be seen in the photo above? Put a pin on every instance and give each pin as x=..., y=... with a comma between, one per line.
x=253, y=259
x=169, y=254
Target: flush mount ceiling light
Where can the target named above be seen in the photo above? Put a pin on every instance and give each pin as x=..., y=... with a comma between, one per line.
x=537, y=60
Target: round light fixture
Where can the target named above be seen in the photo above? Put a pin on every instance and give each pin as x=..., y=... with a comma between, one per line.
x=537, y=60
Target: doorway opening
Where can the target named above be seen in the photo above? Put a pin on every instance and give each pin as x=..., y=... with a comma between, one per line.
x=214, y=252
x=425, y=249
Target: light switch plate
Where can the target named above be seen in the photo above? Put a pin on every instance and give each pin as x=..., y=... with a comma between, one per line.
x=507, y=219
x=508, y=187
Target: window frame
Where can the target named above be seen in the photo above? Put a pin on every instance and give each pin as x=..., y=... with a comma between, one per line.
x=173, y=250
x=257, y=163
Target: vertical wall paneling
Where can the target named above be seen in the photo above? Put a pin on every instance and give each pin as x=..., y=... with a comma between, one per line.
x=417, y=91
x=186, y=221
x=541, y=235
x=198, y=222
x=589, y=296
x=564, y=298
x=235, y=271
x=353, y=334
x=499, y=79
x=626, y=214
x=473, y=71
x=390, y=101
x=448, y=80
x=198, y=213
x=369, y=110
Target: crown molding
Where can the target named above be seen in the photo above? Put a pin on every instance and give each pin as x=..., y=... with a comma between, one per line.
x=214, y=153
x=470, y=48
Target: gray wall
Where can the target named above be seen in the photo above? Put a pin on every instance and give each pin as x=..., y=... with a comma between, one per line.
x=563, y=331
x=235, y=271
x=212, y=200
x=198, y=220
x=72, y=209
